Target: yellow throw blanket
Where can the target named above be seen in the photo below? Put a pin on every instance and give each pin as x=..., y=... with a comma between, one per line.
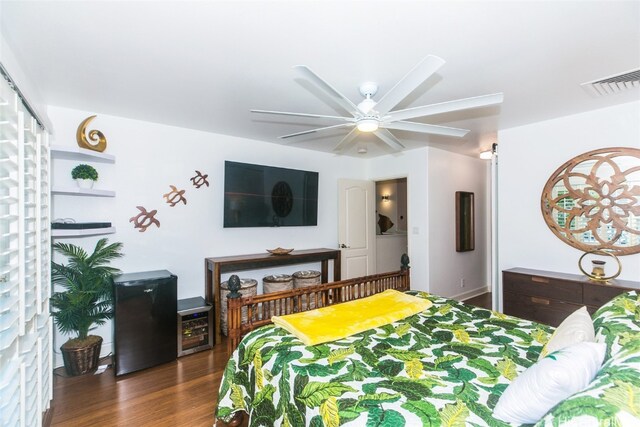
x=342, y=320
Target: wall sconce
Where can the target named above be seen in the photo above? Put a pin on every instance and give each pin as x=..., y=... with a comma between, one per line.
x=488, y=155
x=385, y=198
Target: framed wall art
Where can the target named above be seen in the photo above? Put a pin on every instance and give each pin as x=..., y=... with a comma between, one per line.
x=465, y=233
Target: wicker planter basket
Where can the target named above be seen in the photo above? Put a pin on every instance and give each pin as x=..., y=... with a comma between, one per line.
x=248, y=287
x=80, y=360
x=302, y=279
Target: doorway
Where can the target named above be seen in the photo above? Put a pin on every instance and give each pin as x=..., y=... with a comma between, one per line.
x=361, y=205
x=391, y=223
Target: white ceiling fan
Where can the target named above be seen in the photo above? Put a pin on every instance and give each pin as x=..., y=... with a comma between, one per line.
x=377, y=117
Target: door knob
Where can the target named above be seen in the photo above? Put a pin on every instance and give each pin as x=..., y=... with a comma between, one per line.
x=343, y=246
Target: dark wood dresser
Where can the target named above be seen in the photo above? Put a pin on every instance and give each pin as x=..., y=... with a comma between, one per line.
x=549, y=297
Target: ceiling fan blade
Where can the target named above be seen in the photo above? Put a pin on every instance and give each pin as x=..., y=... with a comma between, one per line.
x=342, y=100
x=409, y=82
x=445, y=107
x=316, y=130
x=388, y=138
x=425, y=128
x=346, y=140
x=313, y=116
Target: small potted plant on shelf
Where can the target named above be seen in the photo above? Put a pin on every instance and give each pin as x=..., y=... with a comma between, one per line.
x=85, y=302
x=85, y=175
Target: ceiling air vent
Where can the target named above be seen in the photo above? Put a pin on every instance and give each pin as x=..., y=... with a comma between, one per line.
x=614, y=84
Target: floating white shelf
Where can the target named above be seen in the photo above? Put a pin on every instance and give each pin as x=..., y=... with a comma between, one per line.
x=61, y=152
x=71, y=191
x=77, y=153
x=82, y=233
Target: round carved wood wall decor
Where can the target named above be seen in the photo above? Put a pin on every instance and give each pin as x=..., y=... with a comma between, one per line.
x=593, y=201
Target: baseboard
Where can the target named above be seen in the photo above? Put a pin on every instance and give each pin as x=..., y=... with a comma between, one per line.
x=470, y=294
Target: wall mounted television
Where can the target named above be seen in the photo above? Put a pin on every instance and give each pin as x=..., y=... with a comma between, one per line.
x=266, y=196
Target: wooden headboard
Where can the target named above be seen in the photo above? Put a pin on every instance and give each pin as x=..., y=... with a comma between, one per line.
x=258, y=309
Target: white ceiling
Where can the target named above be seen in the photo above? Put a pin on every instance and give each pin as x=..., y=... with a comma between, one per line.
x=204, y=65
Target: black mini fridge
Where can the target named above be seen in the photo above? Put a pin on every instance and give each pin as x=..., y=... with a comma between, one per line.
x=145, y=329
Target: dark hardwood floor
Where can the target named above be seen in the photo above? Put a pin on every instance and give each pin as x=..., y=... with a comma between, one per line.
x=483, y=301
x=181, y=393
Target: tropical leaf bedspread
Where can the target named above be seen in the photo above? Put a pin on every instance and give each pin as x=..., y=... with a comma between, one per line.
x=446, y=366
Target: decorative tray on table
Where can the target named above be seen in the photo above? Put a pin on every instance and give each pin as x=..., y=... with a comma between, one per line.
x=279, y=251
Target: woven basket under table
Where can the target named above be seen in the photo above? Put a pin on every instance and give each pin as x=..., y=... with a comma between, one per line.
x=276, y=283
x=248, y=287
x=303, y=279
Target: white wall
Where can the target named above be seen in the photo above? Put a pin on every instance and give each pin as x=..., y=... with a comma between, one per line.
x=149, y=158
x=528, y=156
x=448, y=173
x=433, y=177
x=401, y=201
x=389, y=250
x=412, y=165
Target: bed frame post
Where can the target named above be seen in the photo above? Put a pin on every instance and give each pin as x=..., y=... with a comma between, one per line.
x=404, y=268
x=234, y=313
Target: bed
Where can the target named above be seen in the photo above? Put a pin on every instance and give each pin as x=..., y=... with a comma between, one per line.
x=447, y=365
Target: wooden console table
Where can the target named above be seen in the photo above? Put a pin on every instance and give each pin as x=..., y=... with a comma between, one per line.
x=214, y=267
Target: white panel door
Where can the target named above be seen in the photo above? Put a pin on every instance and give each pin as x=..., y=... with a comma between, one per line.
x=356, y=229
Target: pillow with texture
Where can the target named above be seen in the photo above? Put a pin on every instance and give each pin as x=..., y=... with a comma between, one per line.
x=611, y=399
x=549, y=381
x=617, y=323
x=577, y=327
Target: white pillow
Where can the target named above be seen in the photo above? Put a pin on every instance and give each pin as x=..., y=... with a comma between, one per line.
x=577, y=327
x=549, y=381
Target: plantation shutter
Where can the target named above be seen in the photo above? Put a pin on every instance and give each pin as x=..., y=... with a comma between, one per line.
x=25, y=323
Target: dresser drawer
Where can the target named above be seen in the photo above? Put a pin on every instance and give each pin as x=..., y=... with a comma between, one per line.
x=596, y=295
x=549, y=297
x=539, y=309
x=541, y=286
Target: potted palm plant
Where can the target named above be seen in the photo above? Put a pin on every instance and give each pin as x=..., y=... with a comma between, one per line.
x=85, y=302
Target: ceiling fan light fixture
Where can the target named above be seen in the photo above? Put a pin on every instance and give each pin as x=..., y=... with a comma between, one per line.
x=367, y=125
x=366, y=105
x=378, y=117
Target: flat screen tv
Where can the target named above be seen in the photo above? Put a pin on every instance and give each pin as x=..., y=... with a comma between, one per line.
x=265, y=196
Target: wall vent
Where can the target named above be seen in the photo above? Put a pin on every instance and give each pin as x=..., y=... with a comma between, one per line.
x=614, y=84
